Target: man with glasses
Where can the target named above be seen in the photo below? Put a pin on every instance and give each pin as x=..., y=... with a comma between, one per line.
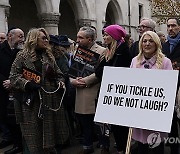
x=8, y=51
x=172, y=50
x=146, y=24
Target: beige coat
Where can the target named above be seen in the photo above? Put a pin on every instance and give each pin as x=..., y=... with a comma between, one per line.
x=85, y=97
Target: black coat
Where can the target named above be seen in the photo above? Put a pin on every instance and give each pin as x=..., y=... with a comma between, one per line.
x=7, y=57
x=134, y=49
x=174, y=55
x=121, y=58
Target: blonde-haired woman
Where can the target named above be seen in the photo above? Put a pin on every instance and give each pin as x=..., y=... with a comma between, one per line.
x=150, y=57
x=117, y=55
x=36, y=80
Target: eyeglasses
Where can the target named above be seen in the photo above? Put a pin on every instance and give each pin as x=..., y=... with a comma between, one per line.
x=142, y=27
x=44, y=38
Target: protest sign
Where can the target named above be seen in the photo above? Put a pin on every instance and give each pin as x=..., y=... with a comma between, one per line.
x=30, y=75
x=83, y=63
x=140, y=98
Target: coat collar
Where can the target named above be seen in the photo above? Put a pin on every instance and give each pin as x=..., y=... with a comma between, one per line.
x=150, y=61
x=94, y=47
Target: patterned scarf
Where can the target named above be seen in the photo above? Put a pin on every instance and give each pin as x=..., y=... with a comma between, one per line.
x=173, y=42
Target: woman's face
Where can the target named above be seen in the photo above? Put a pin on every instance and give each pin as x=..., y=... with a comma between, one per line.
x=148, y=46
x=42, y=41
x=107, y=38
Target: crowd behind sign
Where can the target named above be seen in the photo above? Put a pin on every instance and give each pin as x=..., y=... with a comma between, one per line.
x=139, y=98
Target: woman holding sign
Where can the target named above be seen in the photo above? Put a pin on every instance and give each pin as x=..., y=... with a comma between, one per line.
x=37, y=82
x=150, y=57
x=117, y=55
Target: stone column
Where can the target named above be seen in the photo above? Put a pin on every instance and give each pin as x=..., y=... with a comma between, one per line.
x=4, y=13
x=50, y=22
x=84, y=22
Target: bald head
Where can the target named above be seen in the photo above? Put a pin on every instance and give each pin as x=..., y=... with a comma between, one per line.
x=15, y=38
x=2, y=37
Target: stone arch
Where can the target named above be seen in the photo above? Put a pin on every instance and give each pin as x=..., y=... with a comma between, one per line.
x=23, y=14
x=74, y=13
x=67, y=23
x=113, y=13
x=80, y=10
x=47, y=6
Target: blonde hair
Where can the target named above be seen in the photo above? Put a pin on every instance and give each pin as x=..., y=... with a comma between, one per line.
x=112, y=48
x=158, y=53
x=32, y=40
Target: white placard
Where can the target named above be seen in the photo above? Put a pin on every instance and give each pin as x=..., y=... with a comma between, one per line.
x=138, y=98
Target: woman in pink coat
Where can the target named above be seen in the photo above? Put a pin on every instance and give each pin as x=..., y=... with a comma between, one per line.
x=150, y=57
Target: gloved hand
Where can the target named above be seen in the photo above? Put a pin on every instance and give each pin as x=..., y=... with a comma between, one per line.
x=30, y=86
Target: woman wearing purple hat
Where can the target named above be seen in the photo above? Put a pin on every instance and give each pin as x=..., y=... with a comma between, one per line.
x=117, y=55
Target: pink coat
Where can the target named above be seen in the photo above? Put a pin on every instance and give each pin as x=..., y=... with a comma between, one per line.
x=141, y=135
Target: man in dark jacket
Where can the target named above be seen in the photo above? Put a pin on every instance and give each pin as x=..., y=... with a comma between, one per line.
x=172, y=50
x=8, y=51
x=146, y=24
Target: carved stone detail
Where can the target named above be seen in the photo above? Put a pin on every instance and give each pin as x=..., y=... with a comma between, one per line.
x=6, y=7
x=49, y=19
x=84, y=22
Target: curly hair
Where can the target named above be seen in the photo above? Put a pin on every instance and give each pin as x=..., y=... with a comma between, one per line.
x=32, y=42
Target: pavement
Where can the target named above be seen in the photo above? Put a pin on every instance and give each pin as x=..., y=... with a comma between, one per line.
x=75, y=147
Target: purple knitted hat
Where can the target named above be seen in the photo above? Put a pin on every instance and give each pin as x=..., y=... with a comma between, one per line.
x=116, y=32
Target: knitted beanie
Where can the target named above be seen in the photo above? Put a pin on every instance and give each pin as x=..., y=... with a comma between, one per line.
x=116, y=32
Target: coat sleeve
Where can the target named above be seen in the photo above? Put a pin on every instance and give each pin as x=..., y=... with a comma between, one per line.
x=167, y=64
x=91, y=80
x=133, y=63
x=16, y=74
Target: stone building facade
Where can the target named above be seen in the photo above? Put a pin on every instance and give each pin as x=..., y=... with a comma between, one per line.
x=66, y=16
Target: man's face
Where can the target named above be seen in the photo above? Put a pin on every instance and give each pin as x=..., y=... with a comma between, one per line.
x=173, y=28
x=83, y=40
x=16, y=39
x=107, y=38
x=2, y=37
x=143, y=27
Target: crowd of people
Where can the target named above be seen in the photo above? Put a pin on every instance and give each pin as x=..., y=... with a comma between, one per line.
x=50, y=106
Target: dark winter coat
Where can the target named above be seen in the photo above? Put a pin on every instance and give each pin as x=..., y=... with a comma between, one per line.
x=173, y=56
x=134, y=49
x=7, y=57
x=121, y=58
